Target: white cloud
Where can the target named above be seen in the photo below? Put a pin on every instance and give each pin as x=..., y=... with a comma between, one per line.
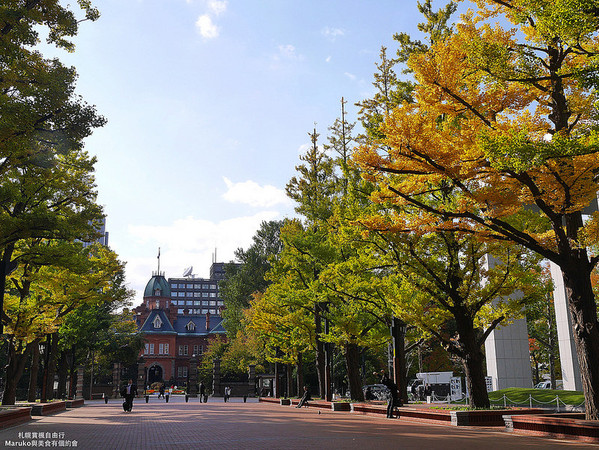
x=288, y=51
x=251, y=193
x=332, y=33
x=207, y=27
x=205, y=23
x=188, y=242
x=328, y=59
x=351, y=76
x=285, y=57
x=217, y=7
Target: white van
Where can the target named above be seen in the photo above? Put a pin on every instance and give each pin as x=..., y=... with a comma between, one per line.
x=559, y=384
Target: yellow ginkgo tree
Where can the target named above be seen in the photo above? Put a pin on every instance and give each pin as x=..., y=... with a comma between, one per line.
x=504, y=116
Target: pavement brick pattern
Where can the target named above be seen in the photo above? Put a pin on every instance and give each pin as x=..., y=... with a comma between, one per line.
x=252, y=425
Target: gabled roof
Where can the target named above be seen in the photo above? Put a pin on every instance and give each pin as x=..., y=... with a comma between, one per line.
x=218, y=329
x=180, y=325
x=148, y=326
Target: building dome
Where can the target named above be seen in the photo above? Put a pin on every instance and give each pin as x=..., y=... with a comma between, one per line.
x=157, y=287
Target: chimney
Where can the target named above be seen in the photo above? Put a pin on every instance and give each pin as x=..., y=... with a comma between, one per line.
x=207, y=321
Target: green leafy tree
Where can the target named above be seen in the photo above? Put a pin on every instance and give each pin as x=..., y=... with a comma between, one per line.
x=42, y=204
x=98, y=335
x=288, y=317
x=248, y=276
x=43, y=122
x=312, y=189
x=53, y=280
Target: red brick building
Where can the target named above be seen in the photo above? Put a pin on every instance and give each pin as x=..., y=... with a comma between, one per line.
x=176, y=330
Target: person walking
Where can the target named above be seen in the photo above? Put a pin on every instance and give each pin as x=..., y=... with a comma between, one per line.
x=129, y=392
x=161, y=391
x=393, y=392
x=202, y=392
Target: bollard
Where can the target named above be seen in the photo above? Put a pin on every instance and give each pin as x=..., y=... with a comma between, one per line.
x=166, y=397
x=245, y=398
x=105, y=398
x=147, y=398
x=557, y=400
x=186, y=398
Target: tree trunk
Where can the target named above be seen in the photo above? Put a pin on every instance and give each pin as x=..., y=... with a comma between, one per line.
x=50, y=369
x=33, y=372
x=14, y=371
x=475, y=379
x=470, y=352
x=583, y=310
x=300, y=374
x=289, y=380
x=352, y=363
x=62, y=375
x=320, y=369
x=277, y=386
x=73, y=373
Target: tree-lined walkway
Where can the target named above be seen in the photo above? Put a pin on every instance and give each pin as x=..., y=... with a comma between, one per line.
x=238, y=425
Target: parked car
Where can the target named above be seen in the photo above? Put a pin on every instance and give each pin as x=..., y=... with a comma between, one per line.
x=559, y=384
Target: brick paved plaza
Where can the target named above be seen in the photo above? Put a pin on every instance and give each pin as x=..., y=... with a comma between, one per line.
x=252, y=425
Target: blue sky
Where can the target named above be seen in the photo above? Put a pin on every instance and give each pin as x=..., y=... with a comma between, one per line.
x=209, y=104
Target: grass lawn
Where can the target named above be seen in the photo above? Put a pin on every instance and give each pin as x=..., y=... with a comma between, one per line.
x=540, y=397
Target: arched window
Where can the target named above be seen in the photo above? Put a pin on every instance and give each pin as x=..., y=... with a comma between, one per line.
x=157, y=322
x=190, y=326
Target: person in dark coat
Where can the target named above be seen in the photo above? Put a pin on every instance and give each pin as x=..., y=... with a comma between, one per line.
x=161, y=391
x=304, y=398
x=393, y=393
x=202, y=392
x=129, y=392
